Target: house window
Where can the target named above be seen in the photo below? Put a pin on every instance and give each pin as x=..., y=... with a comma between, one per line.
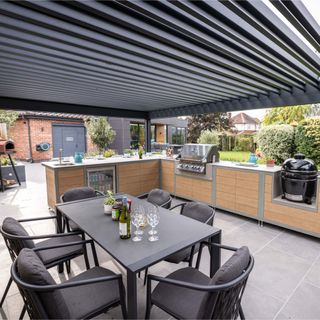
x=136, y=135
x=153, y=133
x=178, y=135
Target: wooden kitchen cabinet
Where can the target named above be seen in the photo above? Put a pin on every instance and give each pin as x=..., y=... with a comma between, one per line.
x=167, y=175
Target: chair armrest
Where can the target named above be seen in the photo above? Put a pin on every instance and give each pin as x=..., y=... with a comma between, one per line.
x=211, y=244
x=179, y=205
x=143, y=195
x=38, y=219
x=44, y=288
x=45, y=236
x=99, y=193
x=193, y=286
x=67, y=244
x=169, y=201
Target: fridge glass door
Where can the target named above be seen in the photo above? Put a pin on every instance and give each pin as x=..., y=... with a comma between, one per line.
x=102, y=179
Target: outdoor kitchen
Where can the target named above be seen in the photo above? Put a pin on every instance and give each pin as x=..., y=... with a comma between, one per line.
x=256, y=191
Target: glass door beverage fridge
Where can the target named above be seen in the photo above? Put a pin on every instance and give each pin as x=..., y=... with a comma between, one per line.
x=102, y=179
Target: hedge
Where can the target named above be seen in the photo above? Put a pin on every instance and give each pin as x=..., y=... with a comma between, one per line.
x=276, y=142
x=307, y=138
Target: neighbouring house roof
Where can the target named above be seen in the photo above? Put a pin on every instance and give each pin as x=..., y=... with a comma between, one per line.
x=51, y=115
x=243, y=118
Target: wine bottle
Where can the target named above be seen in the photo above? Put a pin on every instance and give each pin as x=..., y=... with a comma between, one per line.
x=124, y=220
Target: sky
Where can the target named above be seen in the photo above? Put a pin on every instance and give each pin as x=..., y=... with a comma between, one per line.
x=314, y=7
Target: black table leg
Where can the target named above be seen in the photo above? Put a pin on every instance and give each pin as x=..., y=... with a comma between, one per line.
x=215, y=254
x=1, y=181
x=14, y=169
x=59, y=230
x=132, y=295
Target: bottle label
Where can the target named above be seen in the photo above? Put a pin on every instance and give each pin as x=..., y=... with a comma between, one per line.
x=123, y=229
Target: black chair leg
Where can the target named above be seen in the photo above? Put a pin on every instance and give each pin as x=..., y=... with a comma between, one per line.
x=23, y=311
x=68, y=266
x=145, y=276
x=241, y=314
x=5, y=292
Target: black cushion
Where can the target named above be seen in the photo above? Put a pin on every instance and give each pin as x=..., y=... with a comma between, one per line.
x=229, y=271
x=52, y=255
x=198, y=211
x=179, y=256
x=233, y=267
x=159, y=197
x=84, y=301
x=32, y=270
x=78, y=194
x=181, y=302
x=14, y=227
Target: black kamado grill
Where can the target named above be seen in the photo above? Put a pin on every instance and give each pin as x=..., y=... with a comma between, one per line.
x=299, y=179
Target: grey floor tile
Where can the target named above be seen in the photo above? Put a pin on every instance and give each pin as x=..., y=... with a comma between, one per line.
x=304, y=304
x=313, y=275
x=250, y=235
x=277, y=273
x=298, y=244
x=257, y=304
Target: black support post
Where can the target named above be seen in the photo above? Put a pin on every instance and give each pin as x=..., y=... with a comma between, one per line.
x=148, y=135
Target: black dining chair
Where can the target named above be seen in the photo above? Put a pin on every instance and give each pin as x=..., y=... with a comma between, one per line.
x=197, y=211
x=75, y=194
x=189, y=294
x=158, y=197
x=16, y=238
x=84, y=296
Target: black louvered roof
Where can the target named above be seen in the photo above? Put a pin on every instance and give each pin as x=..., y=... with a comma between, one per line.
x=153, y=59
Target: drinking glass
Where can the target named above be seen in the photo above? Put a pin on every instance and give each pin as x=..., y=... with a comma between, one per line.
x=135, y=220
x=153, y=218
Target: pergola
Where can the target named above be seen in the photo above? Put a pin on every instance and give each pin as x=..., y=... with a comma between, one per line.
x=152, y=59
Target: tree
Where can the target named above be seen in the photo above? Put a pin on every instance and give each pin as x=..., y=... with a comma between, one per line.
x=100, y=132
x=209, y=137
x=8, y=117
x=218, y=121
x=286, y=115
x=314, y=110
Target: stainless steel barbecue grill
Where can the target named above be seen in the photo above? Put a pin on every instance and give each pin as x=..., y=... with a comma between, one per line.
x=194, y=157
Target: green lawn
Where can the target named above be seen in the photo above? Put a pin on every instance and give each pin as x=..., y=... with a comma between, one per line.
x=238, y=156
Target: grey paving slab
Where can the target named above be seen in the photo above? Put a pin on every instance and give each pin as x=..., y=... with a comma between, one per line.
x=277, y=273
x=300, y=245
x=257, y=304
x=313, y=276
x=304, y=303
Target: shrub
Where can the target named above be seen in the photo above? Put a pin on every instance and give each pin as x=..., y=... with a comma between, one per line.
x=244, y=143
x=276, y=142
x=307, y=138
x=209, y=136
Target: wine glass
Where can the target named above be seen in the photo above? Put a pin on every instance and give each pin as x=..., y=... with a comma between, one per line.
x=153, y=218
x=136, y=220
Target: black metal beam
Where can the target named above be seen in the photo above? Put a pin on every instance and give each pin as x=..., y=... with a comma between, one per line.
x=48, y=106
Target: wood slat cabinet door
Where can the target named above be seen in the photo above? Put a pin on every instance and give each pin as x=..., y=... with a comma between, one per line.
x=247, y=192
x=167, y=175
x=70, y=178
x=138, y=177
x=226, y=189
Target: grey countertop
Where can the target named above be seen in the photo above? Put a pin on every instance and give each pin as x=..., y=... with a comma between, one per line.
x=95, y=162
x=234, y=165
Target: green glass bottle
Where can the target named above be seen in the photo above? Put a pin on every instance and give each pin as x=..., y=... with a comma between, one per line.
x=124, y=220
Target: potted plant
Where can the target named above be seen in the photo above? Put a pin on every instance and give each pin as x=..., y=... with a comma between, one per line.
x=140, y=152
x=109, y=201
x=270, y=162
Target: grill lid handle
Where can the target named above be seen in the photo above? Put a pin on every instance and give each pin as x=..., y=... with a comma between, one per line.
x=299, y=156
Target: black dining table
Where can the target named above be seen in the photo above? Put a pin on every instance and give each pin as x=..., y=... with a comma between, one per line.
x=175, y=231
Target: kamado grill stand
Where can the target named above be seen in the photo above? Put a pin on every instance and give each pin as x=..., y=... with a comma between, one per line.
x=7, y=148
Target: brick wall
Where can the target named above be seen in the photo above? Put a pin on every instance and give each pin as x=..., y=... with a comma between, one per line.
x=40, y=131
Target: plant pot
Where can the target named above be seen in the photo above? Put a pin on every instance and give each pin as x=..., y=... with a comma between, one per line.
x=140, y=156
x=107, y=208
x=270, y=163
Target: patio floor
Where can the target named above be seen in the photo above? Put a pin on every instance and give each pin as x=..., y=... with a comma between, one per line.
x=284, y=284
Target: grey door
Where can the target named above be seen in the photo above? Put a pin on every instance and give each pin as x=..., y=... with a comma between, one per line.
x=70, y=139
